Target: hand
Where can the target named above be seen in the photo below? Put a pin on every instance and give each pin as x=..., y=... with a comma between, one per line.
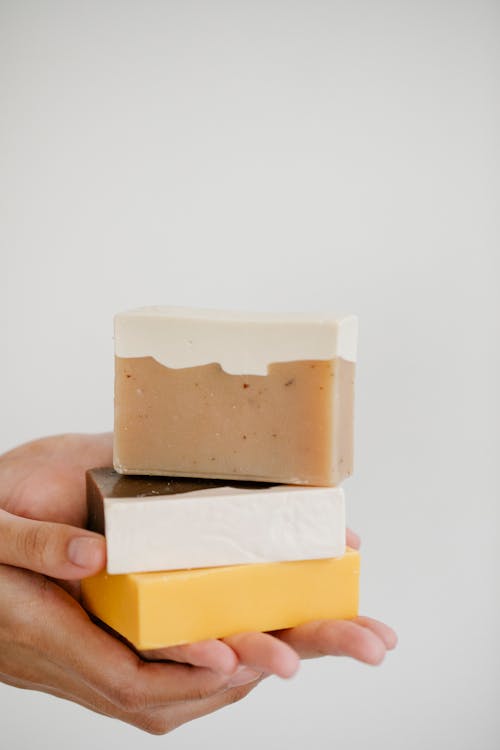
x=44, y=481
x=47, y=641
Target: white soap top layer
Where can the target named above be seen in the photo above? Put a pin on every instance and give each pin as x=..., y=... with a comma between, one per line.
x=242, y=343
x=224, y=526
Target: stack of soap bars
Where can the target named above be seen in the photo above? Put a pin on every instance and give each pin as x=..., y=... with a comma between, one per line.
x=223, y=512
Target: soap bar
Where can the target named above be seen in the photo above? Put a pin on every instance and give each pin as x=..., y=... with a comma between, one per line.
x=160, y=523
x=234, y=396
x=154, y=610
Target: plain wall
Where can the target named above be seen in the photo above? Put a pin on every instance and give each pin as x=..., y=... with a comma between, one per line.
x=264, y=155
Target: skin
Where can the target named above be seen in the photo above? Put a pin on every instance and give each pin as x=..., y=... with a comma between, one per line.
x=45, y=550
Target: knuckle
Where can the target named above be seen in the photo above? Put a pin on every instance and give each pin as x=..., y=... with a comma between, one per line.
x=323, y=636
x=32, y=545
x=154, y=724
x=201, y=691
x=129, y=698
x=237, y=694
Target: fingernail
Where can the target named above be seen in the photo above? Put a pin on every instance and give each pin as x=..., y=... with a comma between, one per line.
x=85, y=551
x=243, y=676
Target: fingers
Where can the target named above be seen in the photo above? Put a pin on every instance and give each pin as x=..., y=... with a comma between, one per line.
x=335, y=638
x=50, y=678
x=258, y=650
x=48, y=643
x=352, y=539
x=154, y=721
x=264, y=653
x=214, y=655
x=55, y=549
x=383, y=631
x=163, y=719
x=112, y=669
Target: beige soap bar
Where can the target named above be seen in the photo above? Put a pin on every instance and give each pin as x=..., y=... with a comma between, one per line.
x=234, y=396
x=153, y=610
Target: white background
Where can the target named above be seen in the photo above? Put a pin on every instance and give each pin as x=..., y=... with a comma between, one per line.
x=263, y=155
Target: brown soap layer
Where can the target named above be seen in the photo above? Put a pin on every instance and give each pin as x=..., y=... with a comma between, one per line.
x=293, y=425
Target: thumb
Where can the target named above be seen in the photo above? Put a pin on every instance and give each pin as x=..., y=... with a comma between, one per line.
x=55, y=549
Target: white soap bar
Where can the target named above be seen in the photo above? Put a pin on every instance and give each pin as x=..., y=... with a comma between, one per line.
x=219, y=526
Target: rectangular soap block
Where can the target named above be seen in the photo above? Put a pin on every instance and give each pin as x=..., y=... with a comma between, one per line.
x=234, y=396
x=154, y=610
x=161, y=523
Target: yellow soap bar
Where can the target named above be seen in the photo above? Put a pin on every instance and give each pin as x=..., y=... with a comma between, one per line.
x=153, y=610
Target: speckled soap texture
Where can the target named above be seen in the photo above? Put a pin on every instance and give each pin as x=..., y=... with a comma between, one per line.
x=235, y=396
